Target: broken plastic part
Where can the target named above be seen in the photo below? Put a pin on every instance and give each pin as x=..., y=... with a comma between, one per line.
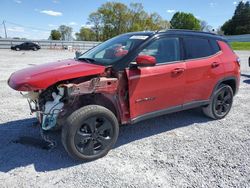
x=52, y=109
x=30, y=95
x=95, y=85
x=47, y=138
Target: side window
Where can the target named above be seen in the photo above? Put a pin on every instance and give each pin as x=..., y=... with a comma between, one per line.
x=164, y=50
x=215, y=46
x=197, y=48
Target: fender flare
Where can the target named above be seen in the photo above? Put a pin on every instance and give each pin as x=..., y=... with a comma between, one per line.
x=229, y=78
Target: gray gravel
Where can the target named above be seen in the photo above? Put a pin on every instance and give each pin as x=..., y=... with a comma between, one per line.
x=183, y=149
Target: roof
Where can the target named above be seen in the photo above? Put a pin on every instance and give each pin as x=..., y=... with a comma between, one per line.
x=192, y=33
x=179, y=32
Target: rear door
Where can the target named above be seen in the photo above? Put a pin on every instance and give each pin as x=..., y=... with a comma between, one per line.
x=160, y=87
x=31, y=46
x=25, y=46
x=203, y=67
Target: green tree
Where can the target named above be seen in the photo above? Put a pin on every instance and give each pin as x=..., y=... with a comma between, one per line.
x=240, y=22
x=137, y=17
x=156, y=22
x=86, y=34
x=95, y=18
x=55, y=35
x=66, y=32
x=114, y=18
x=182, y=20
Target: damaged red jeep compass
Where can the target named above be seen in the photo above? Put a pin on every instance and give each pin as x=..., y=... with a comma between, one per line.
x=127, y=79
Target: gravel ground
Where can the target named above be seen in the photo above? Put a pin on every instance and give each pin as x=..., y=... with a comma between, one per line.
x=183, y=149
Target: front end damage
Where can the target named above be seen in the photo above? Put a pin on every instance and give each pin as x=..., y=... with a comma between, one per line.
x=53, y=105
x=46, y=109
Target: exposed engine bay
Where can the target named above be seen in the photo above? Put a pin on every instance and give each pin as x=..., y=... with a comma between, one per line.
x=55, y=103
x=47, y=105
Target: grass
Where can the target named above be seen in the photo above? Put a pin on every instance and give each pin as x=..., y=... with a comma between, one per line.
x=240, y=45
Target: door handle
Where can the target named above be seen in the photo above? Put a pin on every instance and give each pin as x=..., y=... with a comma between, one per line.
x=215, y=64
x=178, y=70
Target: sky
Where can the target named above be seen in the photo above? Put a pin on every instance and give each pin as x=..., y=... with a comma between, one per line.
x=34, y=19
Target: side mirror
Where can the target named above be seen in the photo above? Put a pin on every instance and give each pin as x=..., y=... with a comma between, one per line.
x=145, y=60
x=77, y=54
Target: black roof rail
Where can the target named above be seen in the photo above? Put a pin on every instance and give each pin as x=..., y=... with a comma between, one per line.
x=186, y=30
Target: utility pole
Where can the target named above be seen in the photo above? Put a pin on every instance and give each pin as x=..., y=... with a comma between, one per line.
x=5, y=29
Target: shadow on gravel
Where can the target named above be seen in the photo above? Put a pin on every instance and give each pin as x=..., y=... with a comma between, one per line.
x=130, y=133
x=247, y=81
x=14, y=155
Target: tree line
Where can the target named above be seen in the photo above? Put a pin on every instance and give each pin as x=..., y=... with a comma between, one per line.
x=240, y=22
x=114, y=18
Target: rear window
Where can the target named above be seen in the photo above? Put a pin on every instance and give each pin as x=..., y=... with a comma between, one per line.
x=197, y=48
x=215, y=46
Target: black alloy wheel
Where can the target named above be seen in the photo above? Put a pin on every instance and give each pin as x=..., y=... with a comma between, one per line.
x=93, y=136
x=223, y=102
x=90, y=132
x=220, y=103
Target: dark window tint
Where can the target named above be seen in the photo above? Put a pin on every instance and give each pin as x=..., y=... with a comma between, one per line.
x=215, y=46
x=164, y=50
x=197, y=48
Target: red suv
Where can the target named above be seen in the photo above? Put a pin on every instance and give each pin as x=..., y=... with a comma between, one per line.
x=127, y=79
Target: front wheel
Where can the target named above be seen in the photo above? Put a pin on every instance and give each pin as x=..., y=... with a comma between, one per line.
x=90, y=132
x=221, y=103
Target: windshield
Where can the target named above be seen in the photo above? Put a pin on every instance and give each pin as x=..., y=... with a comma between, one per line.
x=113, y=50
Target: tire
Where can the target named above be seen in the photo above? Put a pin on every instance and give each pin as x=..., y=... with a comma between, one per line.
x=34, y=49
x=90, y=132
x=221, y=102
x=17, y=49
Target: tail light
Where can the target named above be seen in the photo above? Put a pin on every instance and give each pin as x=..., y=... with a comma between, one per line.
x=238, y=61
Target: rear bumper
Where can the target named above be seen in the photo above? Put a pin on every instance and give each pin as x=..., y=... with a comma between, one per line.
x=237, y=85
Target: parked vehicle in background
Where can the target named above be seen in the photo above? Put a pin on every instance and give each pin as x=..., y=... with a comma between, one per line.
x=26, y=46
x=127, y=79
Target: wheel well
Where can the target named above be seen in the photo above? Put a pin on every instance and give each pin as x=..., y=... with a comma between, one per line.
x=98, y=99
x=231, y=83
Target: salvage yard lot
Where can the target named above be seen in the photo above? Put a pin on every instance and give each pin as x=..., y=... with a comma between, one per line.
x=181, y=149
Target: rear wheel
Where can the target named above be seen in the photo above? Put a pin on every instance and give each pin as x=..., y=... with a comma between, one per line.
x=17, y=49
x=221, y=102
x=90, y=132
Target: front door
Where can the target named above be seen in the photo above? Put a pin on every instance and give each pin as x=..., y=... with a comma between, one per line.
x=161, y=87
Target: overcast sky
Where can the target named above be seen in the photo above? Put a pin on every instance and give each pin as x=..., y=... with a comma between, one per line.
x=34, y=19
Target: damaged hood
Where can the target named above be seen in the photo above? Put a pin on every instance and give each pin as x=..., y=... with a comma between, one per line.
x=42, y=76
